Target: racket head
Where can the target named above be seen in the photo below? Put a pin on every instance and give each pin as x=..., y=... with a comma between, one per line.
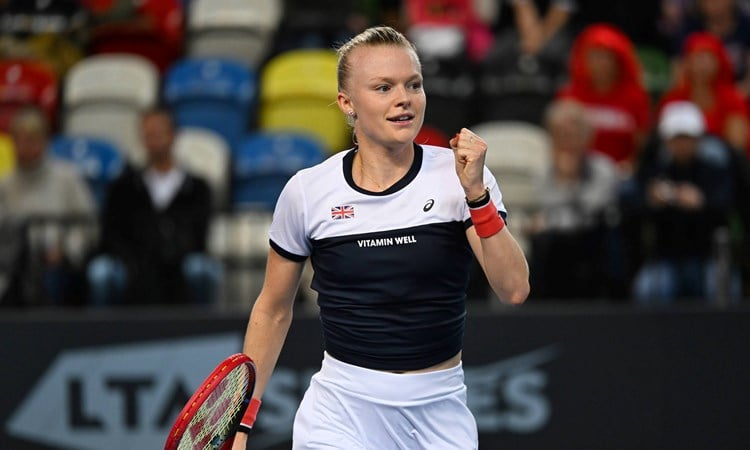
x=211, y=416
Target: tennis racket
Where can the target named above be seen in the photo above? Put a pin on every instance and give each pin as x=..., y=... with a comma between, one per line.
x=211, y=416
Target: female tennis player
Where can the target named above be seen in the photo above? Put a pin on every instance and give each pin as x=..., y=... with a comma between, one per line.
x=391, y=228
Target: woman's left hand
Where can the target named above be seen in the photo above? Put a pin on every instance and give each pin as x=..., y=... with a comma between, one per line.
x=469, y=150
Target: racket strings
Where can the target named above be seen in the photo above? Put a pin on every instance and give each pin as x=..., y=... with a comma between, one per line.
x=212, y=422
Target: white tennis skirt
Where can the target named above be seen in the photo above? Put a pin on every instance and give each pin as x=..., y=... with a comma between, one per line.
x=348, y=407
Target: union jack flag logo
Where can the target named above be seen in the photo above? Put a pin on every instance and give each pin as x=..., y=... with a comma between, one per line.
x=342, y=212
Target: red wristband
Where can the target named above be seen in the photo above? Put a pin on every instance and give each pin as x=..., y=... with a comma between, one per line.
x=248, y=419
x=486, y=220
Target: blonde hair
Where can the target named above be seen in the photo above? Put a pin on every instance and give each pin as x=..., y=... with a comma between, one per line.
x=381, y=35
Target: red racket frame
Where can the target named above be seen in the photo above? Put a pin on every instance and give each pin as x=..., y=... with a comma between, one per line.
x=202, y=393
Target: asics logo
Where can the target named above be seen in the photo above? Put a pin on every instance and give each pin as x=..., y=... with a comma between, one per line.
x=428, y=206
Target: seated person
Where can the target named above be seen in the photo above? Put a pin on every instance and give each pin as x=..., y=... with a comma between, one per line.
x=683, y=194
x=569, y=238
x=605, y=75
x=154, y=230
x=705, y=78
x=41, y=188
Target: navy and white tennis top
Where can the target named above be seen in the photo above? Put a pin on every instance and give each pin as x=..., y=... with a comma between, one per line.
x=391, y=268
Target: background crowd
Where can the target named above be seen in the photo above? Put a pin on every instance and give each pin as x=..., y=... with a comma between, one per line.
x=142, y=143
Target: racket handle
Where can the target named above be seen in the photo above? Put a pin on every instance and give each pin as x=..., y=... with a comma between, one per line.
x=248, y=420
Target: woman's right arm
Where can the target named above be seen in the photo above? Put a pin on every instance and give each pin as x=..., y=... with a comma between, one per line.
x=269, y=322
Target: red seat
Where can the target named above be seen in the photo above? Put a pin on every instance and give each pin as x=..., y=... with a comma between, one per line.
x=167, y=17
x=439, y=12
x=24, y=82
x=155, y=31
x=134, y=39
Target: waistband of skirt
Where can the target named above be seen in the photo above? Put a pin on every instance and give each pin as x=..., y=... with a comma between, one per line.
x=390, y=388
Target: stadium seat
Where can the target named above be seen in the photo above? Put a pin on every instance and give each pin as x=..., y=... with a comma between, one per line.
x=24, y=82
x=240, y=240
x=212, y=93
x=206, y=154
x=130, y=38
x=97, y=159
x=7, y=156
x=298, y=94
x=518, y=154
x=60, y=52
x=153, y=30
x=264, y=162
x=104, y=96
x=241, y=30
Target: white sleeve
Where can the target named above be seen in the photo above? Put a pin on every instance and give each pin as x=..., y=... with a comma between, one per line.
x=288, y=233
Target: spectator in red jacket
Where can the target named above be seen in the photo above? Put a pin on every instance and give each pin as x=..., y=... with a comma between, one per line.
x=606, y=77
x=706, y=79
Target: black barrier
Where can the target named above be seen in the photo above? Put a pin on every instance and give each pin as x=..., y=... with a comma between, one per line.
x=539, y=378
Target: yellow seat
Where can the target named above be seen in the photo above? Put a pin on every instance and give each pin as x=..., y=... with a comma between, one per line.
x=298, y=93
x=7, y=156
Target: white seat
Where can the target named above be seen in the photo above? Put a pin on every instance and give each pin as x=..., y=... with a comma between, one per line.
x=241, y=30
x=104, y=95
x=205, y=154
x=247, y=48
x=518, y=154
x=241, y=236
x=254, y=14
x=124, y=78
x=240, y=240
x=116, y=122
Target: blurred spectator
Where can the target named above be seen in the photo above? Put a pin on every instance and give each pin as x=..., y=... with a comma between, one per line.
x=670, y=23
x=444, y=29
x=41, y=188
x=525, y=67
x=683, y=195
x=725, y=19
x=154, y=229
x=605, y=76
x=571, y=241
x=706, y=79
x=535, y=25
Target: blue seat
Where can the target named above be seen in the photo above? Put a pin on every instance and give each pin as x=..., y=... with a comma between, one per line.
x=264, y=162
x=97, y=159
x=213, y=93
